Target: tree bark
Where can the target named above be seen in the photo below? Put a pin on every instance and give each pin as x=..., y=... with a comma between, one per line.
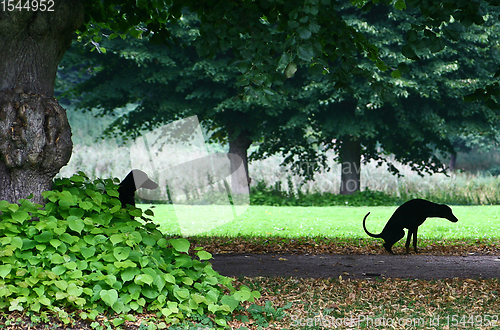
x=350, y=158
x=453, y=162
x=35, y=136
x=238, y=148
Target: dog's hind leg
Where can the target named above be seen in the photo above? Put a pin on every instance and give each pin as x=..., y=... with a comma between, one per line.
x=410, y=234
x=388, y=248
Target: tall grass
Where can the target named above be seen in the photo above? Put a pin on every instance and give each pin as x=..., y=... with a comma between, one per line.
x=457, y=188
x=108, y=158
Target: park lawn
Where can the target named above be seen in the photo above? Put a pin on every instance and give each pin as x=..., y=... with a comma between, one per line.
x=475, y=222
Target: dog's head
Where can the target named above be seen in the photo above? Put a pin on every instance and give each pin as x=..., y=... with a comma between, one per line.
x=137, y=179
x=142, y=180
x=448, y=214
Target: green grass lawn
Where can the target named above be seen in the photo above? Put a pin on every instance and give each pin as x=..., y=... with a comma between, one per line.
x=339, y=222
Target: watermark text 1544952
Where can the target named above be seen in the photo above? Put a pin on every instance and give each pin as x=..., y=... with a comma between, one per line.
x=27, y=5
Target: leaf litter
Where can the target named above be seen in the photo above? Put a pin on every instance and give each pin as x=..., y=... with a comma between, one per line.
x=388, y=303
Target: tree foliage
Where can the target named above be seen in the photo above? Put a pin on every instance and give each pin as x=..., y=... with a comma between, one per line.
x=412, y=109
x=408, y=108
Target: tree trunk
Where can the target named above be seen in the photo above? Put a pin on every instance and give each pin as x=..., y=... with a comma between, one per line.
x=350, y=158
x=453, y=162
x=240, y=180
x=35, y=136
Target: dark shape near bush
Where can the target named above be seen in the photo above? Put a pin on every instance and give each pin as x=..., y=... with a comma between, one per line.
x=133, y=181
x=410, y=215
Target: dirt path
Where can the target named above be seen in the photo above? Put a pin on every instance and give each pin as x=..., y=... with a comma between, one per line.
x=357, y=266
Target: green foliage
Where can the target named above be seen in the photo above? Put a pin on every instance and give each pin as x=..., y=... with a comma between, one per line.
x=274, y=196
x=88, y=253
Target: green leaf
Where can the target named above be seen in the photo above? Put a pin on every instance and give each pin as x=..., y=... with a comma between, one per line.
x=396, y=74
x=77, y=212
x=118, y=321
x=408, y=51
x=5, y=270
x=412, y=36
x=44, y=237
x=20, y=216
x=87, y=252
x=59, y=270
x=400, y=5
x=116, y=238
x=204, y=255
x=135, y=212
x=230, y=301
x=142, y=279
x=180, y=244
x=17, y=242
x=97, y=198
x=169, y=278
x=63, y=285
x=4, y=206
x=75, y=223
x=74, y=290
x=57, y=259
x=121, y=253
x=67, y=238
x=77, y=178
x=305, y=52
x=181, y=294
x=437, y=46
x=109, y=296
x=124, y=264
x=5, y=240
x=85, y=205
x=304, y=33
x=382, y=66
x=242, y=295
x=129, y=273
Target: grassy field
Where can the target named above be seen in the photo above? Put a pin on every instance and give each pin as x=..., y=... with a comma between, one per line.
x=339, y=222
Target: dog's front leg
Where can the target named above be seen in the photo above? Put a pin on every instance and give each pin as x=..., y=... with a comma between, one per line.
x=415, y=239
x=408, y=238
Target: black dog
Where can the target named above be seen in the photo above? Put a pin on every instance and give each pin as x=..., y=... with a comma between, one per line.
x=410, y=215
x=134, y=180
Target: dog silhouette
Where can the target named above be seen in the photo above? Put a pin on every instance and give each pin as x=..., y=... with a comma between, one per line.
x=134, y=180
x=410, y=215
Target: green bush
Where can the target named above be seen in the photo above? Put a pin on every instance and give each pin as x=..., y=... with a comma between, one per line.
x=85, y=252
x=273, y=196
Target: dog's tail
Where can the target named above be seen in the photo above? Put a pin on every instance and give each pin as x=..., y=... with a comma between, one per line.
x=366, y=230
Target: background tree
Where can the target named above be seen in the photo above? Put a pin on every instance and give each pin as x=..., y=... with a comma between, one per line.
x=170, y=83
x=414, y=116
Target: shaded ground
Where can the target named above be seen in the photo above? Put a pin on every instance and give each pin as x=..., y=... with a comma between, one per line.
x=357, y=266
x=351, y=258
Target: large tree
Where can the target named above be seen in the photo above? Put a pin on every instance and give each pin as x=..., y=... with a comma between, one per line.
x=166, y=84
x=35, y=137
x=412, y=110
